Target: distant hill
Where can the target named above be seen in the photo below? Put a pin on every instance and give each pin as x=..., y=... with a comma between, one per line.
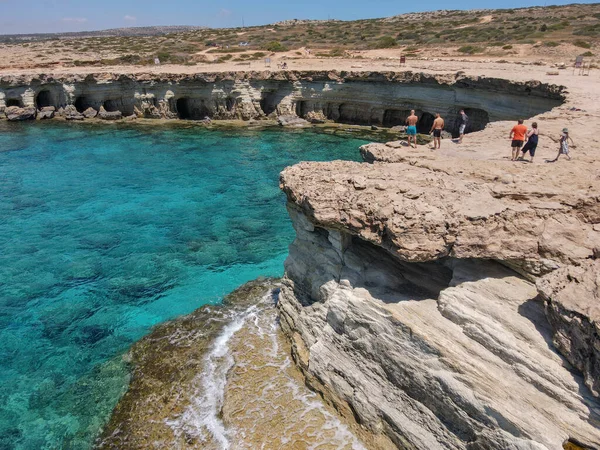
x=113, y=32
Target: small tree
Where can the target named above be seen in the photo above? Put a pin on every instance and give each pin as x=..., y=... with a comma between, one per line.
x=385, y=42
x=544, y=27
x=275, y=46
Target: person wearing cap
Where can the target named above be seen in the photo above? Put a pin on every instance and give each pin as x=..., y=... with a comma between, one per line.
x=564, y=145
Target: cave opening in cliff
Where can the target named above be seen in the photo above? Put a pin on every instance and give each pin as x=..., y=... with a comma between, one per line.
x=478, y=119
x=191, y=109
x=393, y=117
x=81, y=103
x=110, y=106
x=230, y=103
x=268, y=102
x=44, y=99
x=425, y=123
x=301, y=108
x=183, y=108
x=354, y=113
x=13, y=102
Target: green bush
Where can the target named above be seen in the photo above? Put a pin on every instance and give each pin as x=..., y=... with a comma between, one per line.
x=385, y=42
x=551, y=44
x=582, y=44
x=587, y=54
x=507, y=47
x=470, y=49
x=275, y=46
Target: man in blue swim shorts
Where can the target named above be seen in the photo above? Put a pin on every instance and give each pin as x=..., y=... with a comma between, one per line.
x=411, y=129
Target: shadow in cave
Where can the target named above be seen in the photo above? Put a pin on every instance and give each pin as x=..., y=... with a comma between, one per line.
x=81, y=103
x=110, y=105
x=191, y=109
x=13, y=102
x=268, y=102
x=425, y=123
x=44, y=99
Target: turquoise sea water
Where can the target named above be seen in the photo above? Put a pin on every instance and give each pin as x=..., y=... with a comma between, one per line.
x=107, y=231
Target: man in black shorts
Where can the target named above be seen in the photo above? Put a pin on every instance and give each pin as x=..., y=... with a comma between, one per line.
x=436, y=129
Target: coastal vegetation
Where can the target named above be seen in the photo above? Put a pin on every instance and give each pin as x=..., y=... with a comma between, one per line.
x=476, y=32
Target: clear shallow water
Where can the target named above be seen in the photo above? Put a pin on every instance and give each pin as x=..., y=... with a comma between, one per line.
x=107, y=231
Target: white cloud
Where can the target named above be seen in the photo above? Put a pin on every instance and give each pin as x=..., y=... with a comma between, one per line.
x=74, y=19
x=225, y=12
x=129, y=18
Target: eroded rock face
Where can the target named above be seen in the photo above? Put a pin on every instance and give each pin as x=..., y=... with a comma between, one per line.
x=573, y=309
x=109, y=115
x=382, y=99
x=404, y=306
x=437, y=210
x=90, y=113
x=47, y=112
x=16, y=114
x=453, y=354
x=71, y=113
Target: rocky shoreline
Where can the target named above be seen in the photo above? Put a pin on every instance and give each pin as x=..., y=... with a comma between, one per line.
x=428, y=297
x=439, y=300
x=292, y=97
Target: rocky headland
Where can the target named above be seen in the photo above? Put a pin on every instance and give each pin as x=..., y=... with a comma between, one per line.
x=449, y=299
x=436, y=300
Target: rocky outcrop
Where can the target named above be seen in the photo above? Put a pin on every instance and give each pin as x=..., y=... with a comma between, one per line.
x=16, y=114
x=447, y=355
x=411, y=305
x=291, y=121
x=439, y=210
x=90, y=113
x=573, y=309
x=47, y=112
x=109, y=115
x=365, y=98
x=69, y=112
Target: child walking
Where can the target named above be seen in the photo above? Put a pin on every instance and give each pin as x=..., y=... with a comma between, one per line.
x=564, y=145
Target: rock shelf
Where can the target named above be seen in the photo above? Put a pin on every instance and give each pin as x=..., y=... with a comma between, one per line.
x=364, y=98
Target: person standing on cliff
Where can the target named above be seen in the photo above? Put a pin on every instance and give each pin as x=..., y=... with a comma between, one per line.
x=436, y=129
x=411, y=129
x=532, y=141
x=463, y=122
x=564, y=145
x=517, y=135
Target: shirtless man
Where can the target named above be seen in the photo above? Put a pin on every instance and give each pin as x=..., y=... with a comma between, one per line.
x=411, y=130
x=436, y=129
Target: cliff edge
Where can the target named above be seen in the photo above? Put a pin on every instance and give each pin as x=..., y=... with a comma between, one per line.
x=448, y=299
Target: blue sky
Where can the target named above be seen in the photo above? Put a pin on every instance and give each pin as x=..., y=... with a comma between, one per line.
x=40, y=16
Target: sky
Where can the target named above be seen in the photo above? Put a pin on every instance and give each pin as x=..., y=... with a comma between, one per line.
x=47, y=16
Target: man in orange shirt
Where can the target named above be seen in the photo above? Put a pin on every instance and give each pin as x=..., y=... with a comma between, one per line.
x=517, y=134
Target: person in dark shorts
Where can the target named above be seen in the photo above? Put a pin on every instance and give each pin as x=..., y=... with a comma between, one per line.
x=436, y=130
x=532, y=141
x=517, y=135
